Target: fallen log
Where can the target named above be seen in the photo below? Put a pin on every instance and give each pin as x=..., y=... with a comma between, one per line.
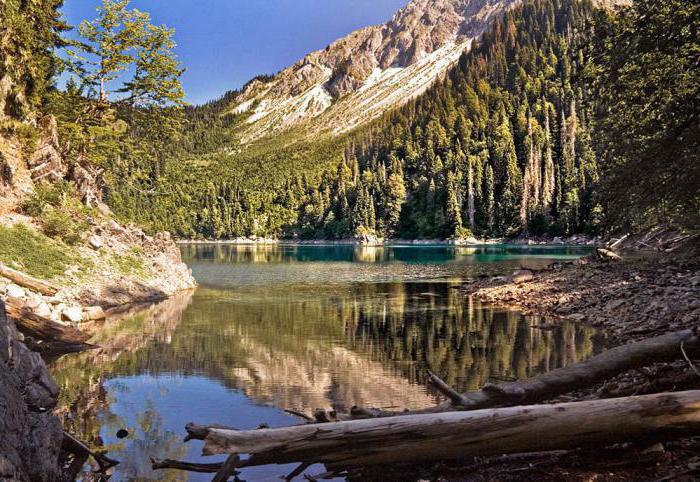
x=26, y=281
x=75, y=446
x=36, y=326
x=664, y=348
x=606, y=254
x=455, y=435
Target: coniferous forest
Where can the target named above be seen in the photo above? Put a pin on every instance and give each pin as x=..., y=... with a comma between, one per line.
x=563, y=119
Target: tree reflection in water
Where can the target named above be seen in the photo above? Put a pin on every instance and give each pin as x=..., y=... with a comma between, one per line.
x=225, y=352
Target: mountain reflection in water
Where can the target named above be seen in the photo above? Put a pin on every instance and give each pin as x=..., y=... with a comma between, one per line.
x=257, y=339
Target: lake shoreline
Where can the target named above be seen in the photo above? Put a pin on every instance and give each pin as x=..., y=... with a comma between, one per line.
x=636, y=298
x=576, y=240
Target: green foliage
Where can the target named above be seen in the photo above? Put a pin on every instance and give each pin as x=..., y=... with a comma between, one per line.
x=59, y=224
x=121, y=41
x=506, y=143
x=649, y=86
x=33, y=253
x=482, y=150
x=60, y=214
x=130, y=264
x=30, y=31
x=46, y=195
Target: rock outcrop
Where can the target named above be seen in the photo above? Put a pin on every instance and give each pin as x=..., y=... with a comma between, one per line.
x=371, y=69
x=31, y=436
x=359, y=77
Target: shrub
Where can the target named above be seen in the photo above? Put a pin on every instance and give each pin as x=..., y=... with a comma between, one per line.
x=33, y=253
x=61, y=225
x=46, y=195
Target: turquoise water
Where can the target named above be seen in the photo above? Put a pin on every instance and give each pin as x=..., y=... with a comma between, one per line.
x=298, y=328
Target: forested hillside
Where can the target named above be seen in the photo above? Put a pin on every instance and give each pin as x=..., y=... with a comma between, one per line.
x=500, y=146
x=519, y=138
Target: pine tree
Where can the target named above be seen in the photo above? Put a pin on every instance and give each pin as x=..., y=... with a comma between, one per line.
x=454, y=210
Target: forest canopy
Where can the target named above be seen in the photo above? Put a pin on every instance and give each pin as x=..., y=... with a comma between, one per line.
x=562, y=119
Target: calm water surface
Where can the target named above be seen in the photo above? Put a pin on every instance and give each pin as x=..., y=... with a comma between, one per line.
x=302, y=327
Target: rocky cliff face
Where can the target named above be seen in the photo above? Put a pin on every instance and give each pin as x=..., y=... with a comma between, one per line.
x=113, y=264
x=360, y=76
x=31, y=435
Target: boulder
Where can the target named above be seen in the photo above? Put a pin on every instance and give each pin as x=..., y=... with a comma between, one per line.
x=94, y=313
x=73, y=314
x=523, y=276
x=32, y=436
x=43, y=310
x=95, y=242
x=14, y=291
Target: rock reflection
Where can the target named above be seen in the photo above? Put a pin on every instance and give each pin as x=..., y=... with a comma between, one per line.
x=321, y=347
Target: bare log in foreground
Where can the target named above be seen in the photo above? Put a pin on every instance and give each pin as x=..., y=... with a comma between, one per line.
x=454, y=435
x=27, y=281
x=549, y=385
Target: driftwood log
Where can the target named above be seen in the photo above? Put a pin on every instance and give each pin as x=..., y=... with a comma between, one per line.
x=469, y=424
x=27, y=281
x=549, y=385
x=607, y=254
x=36, y=326
x=455, y=435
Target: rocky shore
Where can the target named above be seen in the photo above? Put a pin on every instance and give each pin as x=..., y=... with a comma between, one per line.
x=126, y=266
x=31, y=435
x=636, y=298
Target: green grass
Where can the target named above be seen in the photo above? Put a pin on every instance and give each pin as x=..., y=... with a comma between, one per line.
x=131, y=264
x=33, y=253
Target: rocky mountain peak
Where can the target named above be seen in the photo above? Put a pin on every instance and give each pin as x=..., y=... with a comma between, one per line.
x=359, y=77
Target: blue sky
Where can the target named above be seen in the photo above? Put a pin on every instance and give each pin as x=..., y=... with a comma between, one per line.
x=224, y=43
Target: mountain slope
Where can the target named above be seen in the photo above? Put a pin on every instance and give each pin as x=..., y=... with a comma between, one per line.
x=361, y=76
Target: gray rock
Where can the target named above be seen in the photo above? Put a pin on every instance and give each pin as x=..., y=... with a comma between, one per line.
x=73, y=314
x=43, y=310
x=14, y=291
x=523, y=276
x=614, y=304
x=95, y=242
x=31, y=441
x=94, y=313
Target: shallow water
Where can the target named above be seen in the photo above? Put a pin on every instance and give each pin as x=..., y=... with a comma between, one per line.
x=299, y=328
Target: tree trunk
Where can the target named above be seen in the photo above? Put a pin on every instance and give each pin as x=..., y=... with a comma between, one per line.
x=33, y=325
x=27, y=281
x=455, y=435
x=549, y=385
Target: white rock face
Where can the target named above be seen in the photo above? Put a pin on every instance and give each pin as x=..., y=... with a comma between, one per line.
x=360, y=76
